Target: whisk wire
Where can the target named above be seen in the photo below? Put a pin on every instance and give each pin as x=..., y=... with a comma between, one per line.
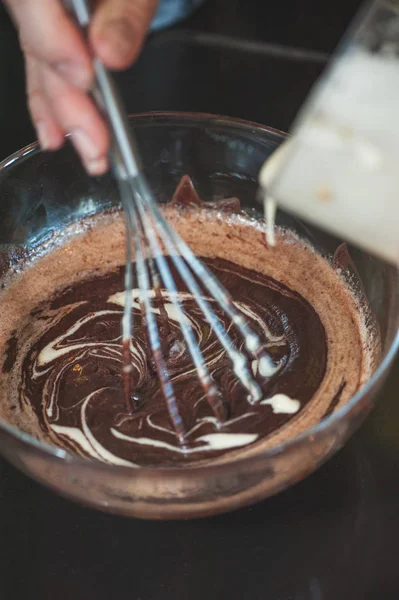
x=153, y=332
x=206, y=381
x=127, y=319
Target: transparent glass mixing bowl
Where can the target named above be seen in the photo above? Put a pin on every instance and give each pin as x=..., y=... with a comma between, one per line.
x=41, y=192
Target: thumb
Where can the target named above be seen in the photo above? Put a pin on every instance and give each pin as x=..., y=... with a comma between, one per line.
x=118, y=30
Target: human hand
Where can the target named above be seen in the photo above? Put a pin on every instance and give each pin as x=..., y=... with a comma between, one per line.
x=59, y=73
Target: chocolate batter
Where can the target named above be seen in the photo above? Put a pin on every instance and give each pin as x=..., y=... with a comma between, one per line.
x=62, y=370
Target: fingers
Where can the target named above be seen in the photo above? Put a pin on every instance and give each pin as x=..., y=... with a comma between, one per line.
x=118, y=30
x=50, y=134
x=59, y=70
x=48, y=35
x=58, y=108
x=77, y=115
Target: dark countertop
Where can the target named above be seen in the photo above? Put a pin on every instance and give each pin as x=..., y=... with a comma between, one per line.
x=331, y=537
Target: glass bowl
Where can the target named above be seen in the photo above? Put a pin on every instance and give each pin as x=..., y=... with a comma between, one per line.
x=42, y=192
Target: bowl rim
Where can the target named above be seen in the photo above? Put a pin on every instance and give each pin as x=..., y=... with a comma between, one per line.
x=53, y=452
x=159, y=117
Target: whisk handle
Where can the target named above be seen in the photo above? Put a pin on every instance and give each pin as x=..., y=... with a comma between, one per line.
x=124, y=156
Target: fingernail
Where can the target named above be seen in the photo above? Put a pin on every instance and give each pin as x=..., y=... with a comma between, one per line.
x=97, y=166
x=74, y=74
x=42, y=134
x=85, y=145
x=120, y=34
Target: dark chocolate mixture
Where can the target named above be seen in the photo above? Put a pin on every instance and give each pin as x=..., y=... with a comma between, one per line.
x=72, y=374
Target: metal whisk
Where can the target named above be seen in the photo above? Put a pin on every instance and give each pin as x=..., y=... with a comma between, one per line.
x=153, y=238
